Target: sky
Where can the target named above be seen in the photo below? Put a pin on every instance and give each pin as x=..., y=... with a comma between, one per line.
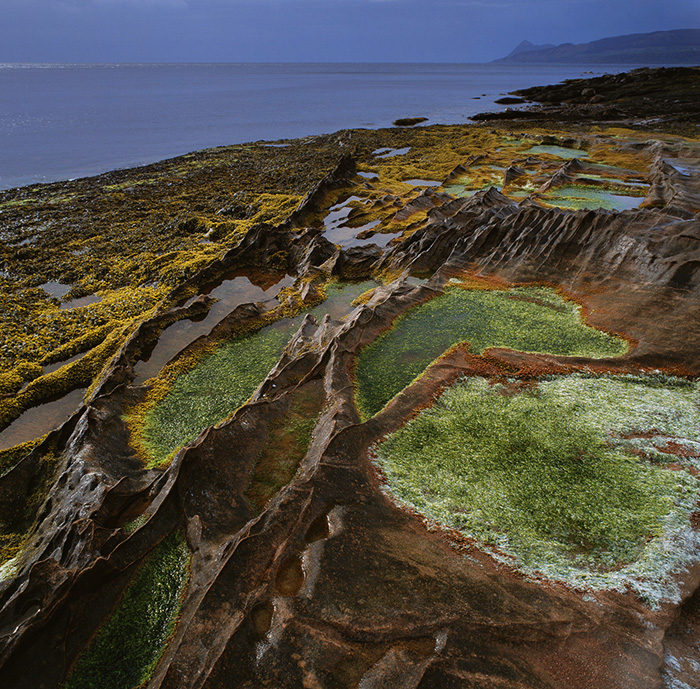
x=316, y=30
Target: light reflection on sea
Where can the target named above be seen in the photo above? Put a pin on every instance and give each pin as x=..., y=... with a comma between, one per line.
x=61, y=122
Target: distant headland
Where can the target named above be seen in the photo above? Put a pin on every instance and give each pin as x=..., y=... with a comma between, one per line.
x=681, y=46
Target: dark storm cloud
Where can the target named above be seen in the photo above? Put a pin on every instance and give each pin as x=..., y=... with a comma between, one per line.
x=316, y=30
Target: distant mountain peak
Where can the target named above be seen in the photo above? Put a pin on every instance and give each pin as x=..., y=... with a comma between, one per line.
x=681, y=46
x=526, y=47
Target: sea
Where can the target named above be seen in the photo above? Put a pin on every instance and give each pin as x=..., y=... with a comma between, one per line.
x=65, y=121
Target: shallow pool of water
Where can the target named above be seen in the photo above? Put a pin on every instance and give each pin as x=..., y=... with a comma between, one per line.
x=347, y=236
x=422, y=182
x=81, y=301
x=230, y=293
x=339, y=298
x=612, y=179
x=337, y=232
x=55, y=289
x=460, y=191
x=50, y=368
x=579, y=197
x=337, y=215
x=391, y=152
x=40, y=420
x=558, y=151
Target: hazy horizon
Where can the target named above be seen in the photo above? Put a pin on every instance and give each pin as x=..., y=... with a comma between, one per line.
x=315, y=31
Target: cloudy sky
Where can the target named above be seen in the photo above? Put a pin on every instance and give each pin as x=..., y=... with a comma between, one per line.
x=316, y=30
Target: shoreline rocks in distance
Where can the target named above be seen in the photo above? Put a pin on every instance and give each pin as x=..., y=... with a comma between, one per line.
x=409, y=121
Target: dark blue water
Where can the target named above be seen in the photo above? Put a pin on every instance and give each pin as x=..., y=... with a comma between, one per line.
x=66, y=121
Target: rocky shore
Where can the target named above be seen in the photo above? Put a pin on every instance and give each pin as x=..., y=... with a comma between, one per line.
x=385, y=408
x=666, y=97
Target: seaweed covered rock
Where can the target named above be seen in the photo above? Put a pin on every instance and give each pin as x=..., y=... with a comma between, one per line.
x=464, y=456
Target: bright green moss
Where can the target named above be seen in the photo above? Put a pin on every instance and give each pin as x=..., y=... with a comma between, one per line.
x=136, y=524
x=576, y=197
x=212, y=390
x=127, y=649
x=535, y=476
x=530, y=319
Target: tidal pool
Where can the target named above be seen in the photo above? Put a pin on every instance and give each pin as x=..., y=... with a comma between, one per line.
x=229, y=294
x=224, y=379
x=391, y=152
x=460, y=191
x=37, y=421
x=422, y=182
x=578, y=197
x=478, y=178
x=126, y=650
x=558, y=151
x=55, y=289
x=81, y=301
x=50, y=368
x=546, y=479
x=336, y=231
x=532, y=319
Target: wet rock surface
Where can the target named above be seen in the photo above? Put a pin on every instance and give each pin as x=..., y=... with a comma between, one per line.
x=647, y=95
x=310, y=574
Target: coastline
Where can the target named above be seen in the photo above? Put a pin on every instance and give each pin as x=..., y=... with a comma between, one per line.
x=68, y=233
x=205, y=263
x=140, y=115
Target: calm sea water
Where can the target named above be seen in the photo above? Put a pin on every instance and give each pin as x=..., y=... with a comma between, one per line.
x=65, y=121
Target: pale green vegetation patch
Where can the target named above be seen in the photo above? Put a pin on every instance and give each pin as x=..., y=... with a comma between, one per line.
x=127, y=649
x=575, y=197
x=542, y=479
x=529, y=319
x=459, y=190
x=222, y=381
x=558, y=151
x=212, y=390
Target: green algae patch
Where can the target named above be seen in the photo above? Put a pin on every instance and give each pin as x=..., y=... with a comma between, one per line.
x=126, y=650
x=206, y=386
x=576, y=197
x=557, y=151
x=17, y=523
x=211, y=390
x=531, y=319
x=286, y=444
x=540, y=478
